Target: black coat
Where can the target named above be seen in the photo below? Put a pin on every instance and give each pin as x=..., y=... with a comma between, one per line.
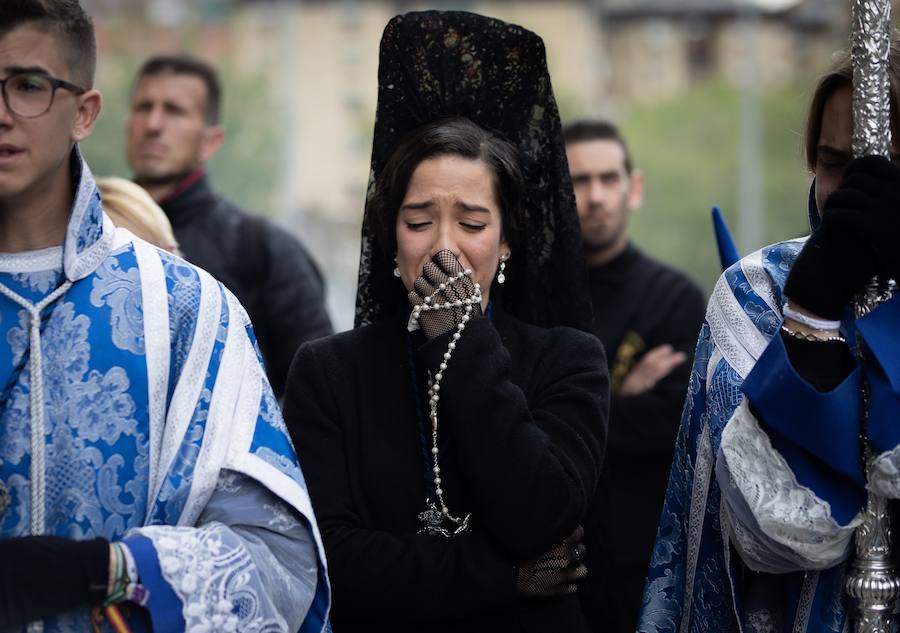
x=523, y=419
x=639, y=304
x=266, y=268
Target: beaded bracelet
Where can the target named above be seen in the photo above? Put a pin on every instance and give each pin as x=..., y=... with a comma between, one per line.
x=123, y=585
x=812, y=338
x=823, y=325
x=118, y=575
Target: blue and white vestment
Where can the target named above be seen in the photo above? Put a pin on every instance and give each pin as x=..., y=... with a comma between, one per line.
x=758, y=521
x=159, y=429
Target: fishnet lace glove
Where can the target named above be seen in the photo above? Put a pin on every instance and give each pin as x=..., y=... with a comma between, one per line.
x=555, y=573
x=439, y=270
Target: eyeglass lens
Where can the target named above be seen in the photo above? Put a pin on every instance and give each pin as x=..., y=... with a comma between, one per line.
x=28, y=94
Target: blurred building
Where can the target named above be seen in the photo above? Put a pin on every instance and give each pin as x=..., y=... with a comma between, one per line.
x=316, y=62
x=320, y=59
x=660, y=47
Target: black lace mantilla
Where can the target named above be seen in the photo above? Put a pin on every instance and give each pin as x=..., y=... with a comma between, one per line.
x=436, y=64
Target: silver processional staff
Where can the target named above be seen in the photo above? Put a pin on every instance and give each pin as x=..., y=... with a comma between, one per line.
x=872, y=583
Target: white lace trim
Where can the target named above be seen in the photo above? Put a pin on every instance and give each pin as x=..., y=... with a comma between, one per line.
x=239, y=315
x=734, y=334
x=805, y=603
x=884, y=476
x=756, y=274
x=714, y=359
x=193, y=374
x=750, y=548
x=696, y=517
x=249, y=398
x=220, y=418
x=32, y=261
x=724, y=528
x=79, y=265
x=122, y=237
x=240, y=459
x=157, y=344
x=787, y=512
x=216, y=579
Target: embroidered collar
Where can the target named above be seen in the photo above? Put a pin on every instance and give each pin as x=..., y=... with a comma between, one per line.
x=89, y=236
x=32, y=261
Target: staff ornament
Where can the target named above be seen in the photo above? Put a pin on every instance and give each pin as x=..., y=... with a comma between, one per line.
x=872, y=584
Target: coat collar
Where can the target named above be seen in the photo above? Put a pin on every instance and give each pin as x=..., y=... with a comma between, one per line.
x=191, y=197
x=89, y=234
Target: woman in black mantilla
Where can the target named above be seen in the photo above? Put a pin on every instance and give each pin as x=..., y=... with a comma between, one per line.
x=452, y=443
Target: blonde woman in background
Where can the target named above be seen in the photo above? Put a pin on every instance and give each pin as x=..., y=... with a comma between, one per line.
x=129, y=206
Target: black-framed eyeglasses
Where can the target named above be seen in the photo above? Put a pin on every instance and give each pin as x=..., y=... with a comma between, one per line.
x=30, y=94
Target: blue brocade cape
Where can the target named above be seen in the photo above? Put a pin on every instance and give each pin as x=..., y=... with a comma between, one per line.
x=761, y=507
x=159, y=429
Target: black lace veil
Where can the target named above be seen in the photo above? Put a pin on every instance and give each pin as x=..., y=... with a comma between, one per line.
x=436, y=64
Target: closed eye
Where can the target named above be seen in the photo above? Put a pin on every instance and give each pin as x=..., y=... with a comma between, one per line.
x=580, y=179
x=834, y=163
x=417, y=226
x=472, y=227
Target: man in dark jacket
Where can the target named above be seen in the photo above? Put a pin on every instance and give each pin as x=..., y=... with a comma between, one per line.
x=172, y=130
x=647, y=315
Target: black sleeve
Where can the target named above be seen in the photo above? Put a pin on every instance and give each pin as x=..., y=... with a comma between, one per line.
x=371, y=570
x=43, y=576
x=294, y=299
x=530, y=464
x=822, y=364
x=646, y=424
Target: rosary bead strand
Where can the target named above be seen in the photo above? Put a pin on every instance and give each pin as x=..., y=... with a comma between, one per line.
x=434, y=387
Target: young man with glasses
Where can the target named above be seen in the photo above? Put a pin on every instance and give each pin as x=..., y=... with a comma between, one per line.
x=145, y=472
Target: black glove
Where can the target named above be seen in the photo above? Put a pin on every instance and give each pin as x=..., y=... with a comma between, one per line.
x=856, y=240
x=443, y=266
x=43, y=576
x=555, y=573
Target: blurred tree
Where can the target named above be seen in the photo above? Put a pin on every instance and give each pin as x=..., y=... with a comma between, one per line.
x=687, y=148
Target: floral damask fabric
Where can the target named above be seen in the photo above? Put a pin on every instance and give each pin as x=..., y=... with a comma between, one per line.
x=697, y=582
x=156, y=414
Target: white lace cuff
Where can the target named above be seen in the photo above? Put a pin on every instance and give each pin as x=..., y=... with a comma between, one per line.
x=777, y=524
x=884, y=477
x=250, y=566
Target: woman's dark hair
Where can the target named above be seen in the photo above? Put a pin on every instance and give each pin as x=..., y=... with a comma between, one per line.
x=445, y=137
x=841, y=74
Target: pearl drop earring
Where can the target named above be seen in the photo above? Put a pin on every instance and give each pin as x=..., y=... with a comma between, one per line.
x=501, y=278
